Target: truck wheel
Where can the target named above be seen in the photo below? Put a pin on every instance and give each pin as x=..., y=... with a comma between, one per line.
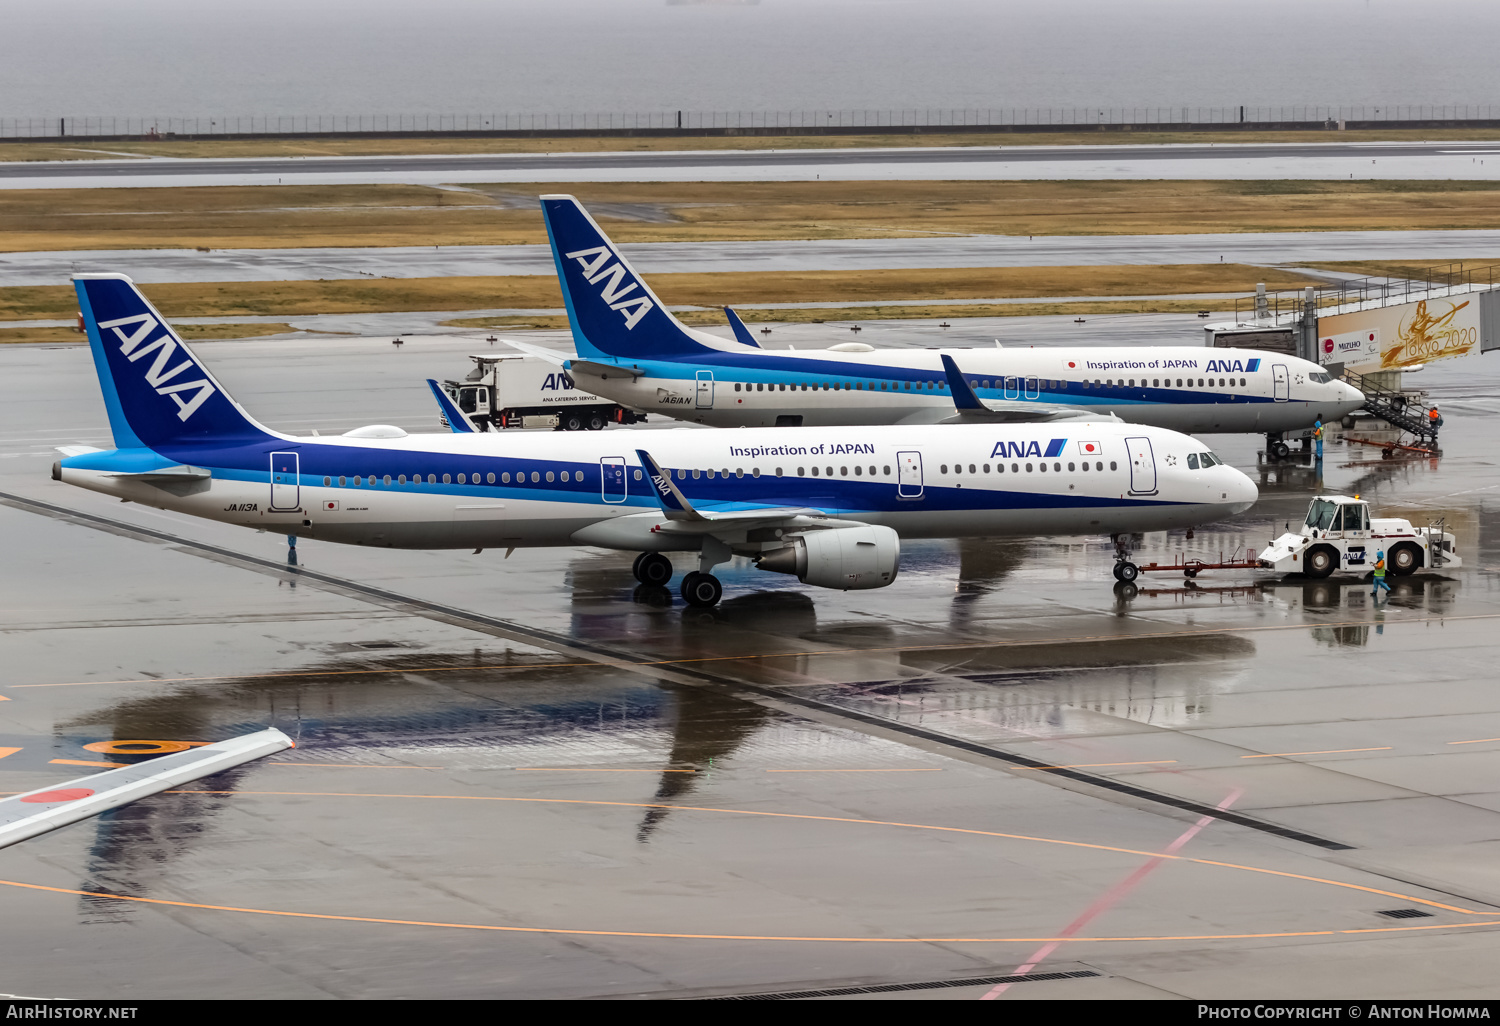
x=572, y=422
x=596, y=421
x=1320, y=561
x=1405, y=558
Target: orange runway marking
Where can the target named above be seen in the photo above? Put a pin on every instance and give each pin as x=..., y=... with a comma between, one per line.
x=920, y=769
x=892, y=649
x=8, y=751
x=593, y=769
x=351, y=765
x=727, y=936
x=1327, y=751
x=1087, y=765
x=1476, y=741
x=875, y=822
x=85, y=762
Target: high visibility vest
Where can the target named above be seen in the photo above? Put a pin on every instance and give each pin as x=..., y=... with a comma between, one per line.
x=1318, y=431
x=1380, y=568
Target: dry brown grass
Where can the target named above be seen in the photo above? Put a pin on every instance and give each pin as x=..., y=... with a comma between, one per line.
x=191, y=332
x=254, y=217
x=230, y=299
x=1416, y=270
x=866, y=314
x=335, y=146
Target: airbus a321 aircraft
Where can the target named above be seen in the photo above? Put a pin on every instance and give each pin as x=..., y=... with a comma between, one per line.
x=633, y=351
x=828, y=505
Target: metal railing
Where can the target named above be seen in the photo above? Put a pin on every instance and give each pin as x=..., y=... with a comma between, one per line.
x=968, y=119
x=1285, y=305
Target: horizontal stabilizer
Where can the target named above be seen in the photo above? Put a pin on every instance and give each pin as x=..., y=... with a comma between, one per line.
x=36, y=812
x=540, y=352
x=77, y=450
x=741, y=333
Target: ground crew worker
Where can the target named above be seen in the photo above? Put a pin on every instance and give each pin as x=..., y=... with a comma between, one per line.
x=1318, y=437
x=1378, y=581
x=1433, y=420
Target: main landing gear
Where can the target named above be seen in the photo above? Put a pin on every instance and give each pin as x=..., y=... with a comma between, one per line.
x=699, y=589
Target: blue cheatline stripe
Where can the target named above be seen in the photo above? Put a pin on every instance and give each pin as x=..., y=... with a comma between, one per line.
x=125, y=437
x=833, y=495
x=747, y=368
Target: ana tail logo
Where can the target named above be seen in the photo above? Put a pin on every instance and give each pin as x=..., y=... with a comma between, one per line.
x=593, y=265
x=158, y=374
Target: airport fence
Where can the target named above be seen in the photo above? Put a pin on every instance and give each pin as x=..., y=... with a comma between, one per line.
x=695, y=122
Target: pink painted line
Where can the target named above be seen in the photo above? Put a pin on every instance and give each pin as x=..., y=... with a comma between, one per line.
x=1113, y=895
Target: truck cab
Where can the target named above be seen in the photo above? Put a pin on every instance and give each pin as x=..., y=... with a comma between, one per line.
x=1338, y=534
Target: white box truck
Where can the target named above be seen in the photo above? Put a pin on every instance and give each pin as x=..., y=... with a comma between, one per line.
x=525, y=392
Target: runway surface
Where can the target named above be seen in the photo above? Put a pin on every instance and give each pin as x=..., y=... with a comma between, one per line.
x=1268, y=248
x=522, y=777
x=1311, y=160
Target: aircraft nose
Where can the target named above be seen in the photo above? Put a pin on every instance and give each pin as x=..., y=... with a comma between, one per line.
x=1350, y=394
x=1242, y=492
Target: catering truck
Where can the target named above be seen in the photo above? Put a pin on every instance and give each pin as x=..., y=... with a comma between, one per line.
x=1340, y=535
x=525, y=392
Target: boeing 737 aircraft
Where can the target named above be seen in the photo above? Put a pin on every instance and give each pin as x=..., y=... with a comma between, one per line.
x=828, y=505
x=633, y=351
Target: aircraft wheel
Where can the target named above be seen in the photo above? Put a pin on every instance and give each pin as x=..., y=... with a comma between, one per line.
x=635, y=568
x=1404, y=559
x=653, y=569
x=596, y=421
x=572, y=422
x=1281, y=450
x=1320, y=561
x=701, y=591
x=1126, y=571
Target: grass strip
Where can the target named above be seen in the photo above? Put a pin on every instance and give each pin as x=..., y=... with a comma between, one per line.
x=380, y=295
x=333, y=145
x=294, y=216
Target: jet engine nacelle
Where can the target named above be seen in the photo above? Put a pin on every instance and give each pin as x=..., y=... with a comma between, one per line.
x=845, y=558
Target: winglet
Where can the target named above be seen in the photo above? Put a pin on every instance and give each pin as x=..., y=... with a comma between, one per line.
x=673, y=503
x=963, y=396
x=741, y=333
x=457, y=420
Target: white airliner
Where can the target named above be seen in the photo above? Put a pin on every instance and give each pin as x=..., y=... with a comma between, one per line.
x=828, y=505
x=632, y=350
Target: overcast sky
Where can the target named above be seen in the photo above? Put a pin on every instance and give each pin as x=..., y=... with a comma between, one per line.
x=215, y=57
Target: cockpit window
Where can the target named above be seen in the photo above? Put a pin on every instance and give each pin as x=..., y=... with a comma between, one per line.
x=1205, y=460
x=1320, y=377
x=1320, y=513
x=1192, y=461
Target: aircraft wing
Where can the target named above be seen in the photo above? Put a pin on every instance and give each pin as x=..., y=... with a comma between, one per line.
x=684, y=516
x=26, y=815
x=457, y=420
x=971, y=408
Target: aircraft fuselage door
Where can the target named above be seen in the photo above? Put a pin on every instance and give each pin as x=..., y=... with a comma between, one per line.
x=1142, y=466
x=612, y=478
x=1281, y=383
x=1032, y=391
x=908, y=475
x=705, y=390
x=284, y=477
x=1012, y=388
